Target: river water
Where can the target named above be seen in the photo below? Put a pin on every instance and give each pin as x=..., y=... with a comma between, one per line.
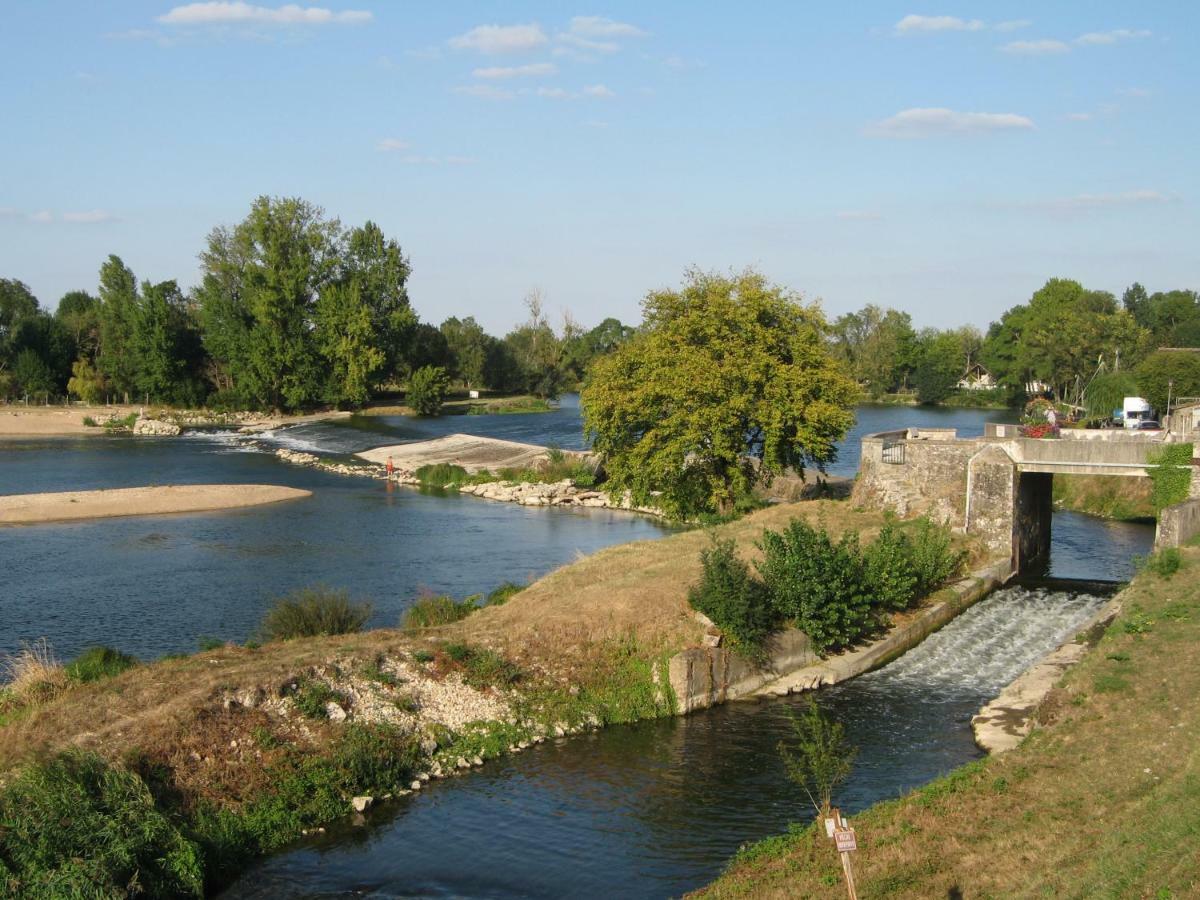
x=649, y=810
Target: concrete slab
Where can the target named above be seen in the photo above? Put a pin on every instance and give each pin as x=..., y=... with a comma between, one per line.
x=469, y=451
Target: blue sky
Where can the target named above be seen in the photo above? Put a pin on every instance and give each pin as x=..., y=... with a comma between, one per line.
x=944, y=159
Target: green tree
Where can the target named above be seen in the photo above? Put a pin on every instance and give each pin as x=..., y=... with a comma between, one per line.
x=427, y=388
x=377, y=271
x=118, y=324
x=729, y=382
x=86, y=382
x=156, y=359
x=16, y=303
x=940, y=365
x=259, y=294
x=347, y=339
x=1061, y=337
x=1174, y=372
x=32, y=377
x=579, y=352
x=876, y=346
x=79, y=311
x=467, y=345
x=538, y=351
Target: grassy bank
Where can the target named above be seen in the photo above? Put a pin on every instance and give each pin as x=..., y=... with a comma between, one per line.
x=1108, y=496
x=462, y=405
x=1103, y=799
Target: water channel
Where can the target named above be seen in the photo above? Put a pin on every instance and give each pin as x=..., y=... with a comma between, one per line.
x=650, y=810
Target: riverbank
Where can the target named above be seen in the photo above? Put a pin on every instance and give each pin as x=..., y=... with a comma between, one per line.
x=244, y=748
x=67, y=506
x=1107, y=496
x=75, y=421
x=1101, y=799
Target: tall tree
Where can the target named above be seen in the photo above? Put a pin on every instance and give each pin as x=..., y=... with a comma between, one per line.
x=118, y=324
x=79, y=311
x=378, y=271
x=158, y=364
x=876, y=345
x=729, y=383
x=468, y=346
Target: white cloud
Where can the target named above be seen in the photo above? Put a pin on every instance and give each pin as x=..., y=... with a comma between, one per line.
x=391, y=144
x=240, y=13
x=1133, y=92
x=484, y=92
x=600, y=27
x=921, y=122
x=912, y=24
x=533, y=70
x=858, y=215
x=42, y=216
x=599, y=90
x=1043, y=47
x=555, y=93
x=1012, y=25
x=577, y=43
x=89, y=217
x=1079, y=116
x=501, y=38
x=1094, y=38
x=1082, y=203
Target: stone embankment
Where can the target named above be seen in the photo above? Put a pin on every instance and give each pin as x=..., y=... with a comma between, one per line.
x=1006, y=721
x=560, y=493
x=311, y=460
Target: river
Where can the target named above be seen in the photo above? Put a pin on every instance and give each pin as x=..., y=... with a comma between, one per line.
x=649, y=810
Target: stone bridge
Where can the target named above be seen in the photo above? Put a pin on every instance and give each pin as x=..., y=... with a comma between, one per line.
x=1000, y=486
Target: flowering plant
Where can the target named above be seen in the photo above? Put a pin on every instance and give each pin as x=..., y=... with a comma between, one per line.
x=1039, y=430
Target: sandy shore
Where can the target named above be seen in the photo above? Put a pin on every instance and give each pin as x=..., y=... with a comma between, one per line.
x=57, y=421
x=469, y=451
x=30, y=509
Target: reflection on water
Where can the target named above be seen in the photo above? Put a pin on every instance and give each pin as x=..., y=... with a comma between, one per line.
x=656, y=809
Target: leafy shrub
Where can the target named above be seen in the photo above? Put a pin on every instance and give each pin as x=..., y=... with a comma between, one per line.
x=89, y=422
x=888, y=569
x=427, y=388
x=933, y=557
x=732, y=597
x=503, y=594
x=817, y=583
x=441, y=474
x=207, y=642
x=96, y=663
x=312, y=612
x=429, y=612
x=76, y=827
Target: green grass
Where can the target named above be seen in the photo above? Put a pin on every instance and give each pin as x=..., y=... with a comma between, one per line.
x=441, y=475
x=96, y=663
x=124, y=423
x=312, y=698
x=505, y=592
x=482, y=667
x=430, y=612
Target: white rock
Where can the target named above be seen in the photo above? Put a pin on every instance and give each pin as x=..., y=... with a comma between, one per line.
x=362, y=804
x=335, y=712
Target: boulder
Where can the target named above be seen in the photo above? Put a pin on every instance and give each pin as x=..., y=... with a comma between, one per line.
x=362, y=804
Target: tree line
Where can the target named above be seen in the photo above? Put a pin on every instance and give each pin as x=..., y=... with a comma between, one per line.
x=293, y=310
x=1081, y=346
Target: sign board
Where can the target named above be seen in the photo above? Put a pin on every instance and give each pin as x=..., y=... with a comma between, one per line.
x=845, y=840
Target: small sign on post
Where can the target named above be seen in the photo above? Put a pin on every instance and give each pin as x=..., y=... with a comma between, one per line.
x=846, y=841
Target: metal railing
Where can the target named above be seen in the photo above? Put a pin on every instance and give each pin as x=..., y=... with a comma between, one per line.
x=893, y=452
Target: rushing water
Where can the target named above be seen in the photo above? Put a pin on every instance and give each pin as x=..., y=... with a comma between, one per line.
x=655, y=809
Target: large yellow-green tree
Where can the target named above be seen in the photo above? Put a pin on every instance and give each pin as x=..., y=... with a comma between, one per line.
x=728, y=383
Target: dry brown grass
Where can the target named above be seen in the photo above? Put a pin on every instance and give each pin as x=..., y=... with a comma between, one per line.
x=32, y=675
x=1103, y=801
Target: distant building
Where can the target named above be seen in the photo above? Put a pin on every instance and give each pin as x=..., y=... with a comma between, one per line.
x=976, y=378
x=1185, y=418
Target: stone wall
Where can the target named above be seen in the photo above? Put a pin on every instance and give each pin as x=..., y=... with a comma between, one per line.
x=1034, y=515
x=931, y=480
x=706, y=676
x=1178, y=524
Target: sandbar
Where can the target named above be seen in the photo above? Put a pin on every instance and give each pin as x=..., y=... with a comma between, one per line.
x=66, y=506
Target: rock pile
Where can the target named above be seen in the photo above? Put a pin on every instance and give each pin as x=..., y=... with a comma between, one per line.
x=559, y=493
x=156, y=428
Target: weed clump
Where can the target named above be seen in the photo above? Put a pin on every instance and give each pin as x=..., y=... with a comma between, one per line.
x=97, y=663
x=33, y=674
x=482, y=667
x=314, y=612
x=313, y=696
x=430, y=612
x=441, y=475
x=1164, y=563
x=501, y=595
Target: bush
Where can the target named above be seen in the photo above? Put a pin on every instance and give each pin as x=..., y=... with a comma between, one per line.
x=482, y=667
x=313, y=612
x=888, y=570
x=441, y=474
x=732, y=597
x=76, y=827
x=427, y=388
x=933, y=557
x=817, y=583
x=430, y=612
x=96, y=663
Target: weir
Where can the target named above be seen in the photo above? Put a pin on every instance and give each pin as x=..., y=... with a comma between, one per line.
x=1000, y=486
